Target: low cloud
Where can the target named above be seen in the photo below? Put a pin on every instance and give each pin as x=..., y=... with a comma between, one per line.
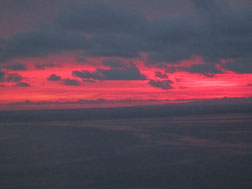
x=163, y=84
x=54, y=77
x=14, y=77
x=115, y=63
x=10, y=77
x=72, y=82
x=161, y=75
x=208, y=69
x=2, y=74
x=17, y=67
x=130, y=72
x=42, y=66
x=241, y=66
x=22, y=84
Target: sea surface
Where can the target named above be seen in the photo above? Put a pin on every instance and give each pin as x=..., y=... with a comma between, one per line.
x=175, y=152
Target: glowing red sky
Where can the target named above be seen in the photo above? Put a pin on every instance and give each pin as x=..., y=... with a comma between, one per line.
x=185, y=85
x=128, y=54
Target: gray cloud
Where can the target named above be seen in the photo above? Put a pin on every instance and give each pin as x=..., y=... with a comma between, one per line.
x=241, y=65
x=163, y=84
x=115, y=63
x=14, y=77
x=42, y=66
x=213, y=30
x=218, y=32
x=81, y=59
x=2, y=74
x=87, y=75
x=72, y=82
x=17, y=67
x=22, y=84
x=208, y=69
x=161, y=75
x=117, y=45
x=54, y=77
x=10, y=77
x=101, y=17
x=40, y=43
x=124, y=73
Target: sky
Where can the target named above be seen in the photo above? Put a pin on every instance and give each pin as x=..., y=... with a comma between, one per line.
x=83, y=53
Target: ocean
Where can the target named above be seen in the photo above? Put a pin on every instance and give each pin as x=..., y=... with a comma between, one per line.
x=210, y=151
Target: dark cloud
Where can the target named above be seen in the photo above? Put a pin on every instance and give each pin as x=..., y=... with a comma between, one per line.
x=208, y=69
x=72, y=82
x=17, y=67
x=89, y=80
x=214, y=30
x=40, y=43
x=42, y=66
x=101, y=18
x=2, y=74
x=161, y=75
x=112, y=63
x=87, y=74
x=217, y=32
x=163, y=84
x=22, y=84
x=14, y=77
x=128, y=73
x=216, y=35
x=117, y=45
x=250, y=85
x=11, y=77
x=220, y=33
x=115, y=31
x=81, y=59
x=54, y=77
x=241, y=65
x=124, y=73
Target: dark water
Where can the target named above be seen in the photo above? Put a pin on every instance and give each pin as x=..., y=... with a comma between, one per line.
x=199, y=152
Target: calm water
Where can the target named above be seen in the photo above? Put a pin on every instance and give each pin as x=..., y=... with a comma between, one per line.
x=199, y=152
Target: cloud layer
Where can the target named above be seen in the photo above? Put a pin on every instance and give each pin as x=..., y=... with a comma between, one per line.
x=213, y=30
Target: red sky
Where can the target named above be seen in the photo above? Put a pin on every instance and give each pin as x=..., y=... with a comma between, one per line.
x=133, y=58
x=185, y=85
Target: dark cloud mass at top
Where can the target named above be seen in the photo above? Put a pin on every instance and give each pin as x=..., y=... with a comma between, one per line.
x=213, y=30
x=96, y=17
x=40, y=43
